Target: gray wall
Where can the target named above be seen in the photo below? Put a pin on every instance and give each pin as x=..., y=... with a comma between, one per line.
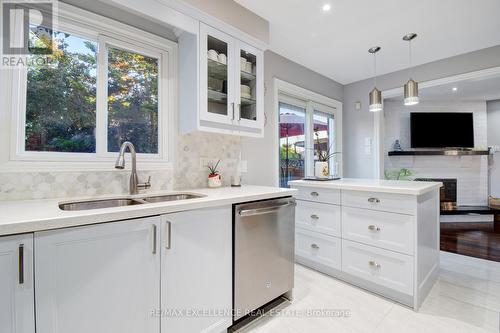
x=493, y=112
x=259, y=153
x=358, y=124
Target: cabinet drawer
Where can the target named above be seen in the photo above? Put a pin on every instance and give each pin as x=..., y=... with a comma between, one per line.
x=386, y=268
x=388, y=202
x=318, y=217
x=319, y=248
x=331, y=196
x=390, y=231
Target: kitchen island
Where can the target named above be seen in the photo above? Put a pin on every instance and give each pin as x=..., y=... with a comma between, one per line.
x=380, y=235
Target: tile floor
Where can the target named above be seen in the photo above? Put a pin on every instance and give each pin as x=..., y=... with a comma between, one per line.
x=465, y=299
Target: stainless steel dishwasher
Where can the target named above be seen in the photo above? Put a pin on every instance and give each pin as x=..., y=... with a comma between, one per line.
x=264, y=235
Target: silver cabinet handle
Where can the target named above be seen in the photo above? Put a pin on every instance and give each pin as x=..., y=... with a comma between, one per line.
x=239, y=111
x=232, y=106
x=374, y=264
x=314, y=194
x=373, y=227
x=168, y=233
x=153, y=239
x=374, y=200
x=21, y=264
x=315, y=246
x=315, y=217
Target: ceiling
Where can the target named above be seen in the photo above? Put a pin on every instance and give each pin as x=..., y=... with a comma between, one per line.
x=484, y=89
x=335, y=43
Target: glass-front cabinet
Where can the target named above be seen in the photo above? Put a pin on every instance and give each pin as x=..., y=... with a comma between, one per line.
x=231, y=84
x=250, y=92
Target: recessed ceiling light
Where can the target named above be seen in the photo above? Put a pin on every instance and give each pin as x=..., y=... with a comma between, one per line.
x=454, y=88
x=327, y=7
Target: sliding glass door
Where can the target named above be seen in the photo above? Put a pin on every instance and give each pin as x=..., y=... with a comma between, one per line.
x=306, y=130
x=292, y=152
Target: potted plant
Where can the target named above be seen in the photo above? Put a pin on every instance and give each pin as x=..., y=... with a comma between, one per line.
x=321, y=165
x=214, y=178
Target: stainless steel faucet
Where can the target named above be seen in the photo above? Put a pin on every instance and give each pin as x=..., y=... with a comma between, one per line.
x=134, y=185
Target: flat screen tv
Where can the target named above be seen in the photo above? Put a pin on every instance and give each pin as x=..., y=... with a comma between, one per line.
x=442, y=130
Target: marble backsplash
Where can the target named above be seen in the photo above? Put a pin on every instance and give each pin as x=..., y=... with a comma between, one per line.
x=193, y=150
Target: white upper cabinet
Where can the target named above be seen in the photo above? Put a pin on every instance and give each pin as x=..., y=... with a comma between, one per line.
x=16, y=284
x=250, y=86
x=102, y=278
x=229, y=84
x=217, y=79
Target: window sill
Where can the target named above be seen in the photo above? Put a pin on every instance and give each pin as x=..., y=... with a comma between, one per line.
x=58, y=166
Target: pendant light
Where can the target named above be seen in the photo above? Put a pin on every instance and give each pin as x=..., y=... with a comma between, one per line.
x=411, y=87
x=375, y=94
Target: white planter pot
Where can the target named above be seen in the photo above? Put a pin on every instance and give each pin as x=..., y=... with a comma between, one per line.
x=214, y=181
x=321, y=170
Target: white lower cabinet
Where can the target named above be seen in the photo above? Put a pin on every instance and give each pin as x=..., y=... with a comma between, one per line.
x=197, y=271
x=100, y=278
x=318, y=249
x=386, y=268
x=162, y=274
x=387, y=243
x=16, y=284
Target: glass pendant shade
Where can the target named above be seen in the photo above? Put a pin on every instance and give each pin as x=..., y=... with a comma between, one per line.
x=411, y=93
x=375, y=100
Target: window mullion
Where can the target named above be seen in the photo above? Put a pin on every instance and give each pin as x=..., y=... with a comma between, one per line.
x=102, y=105
x=309, y=139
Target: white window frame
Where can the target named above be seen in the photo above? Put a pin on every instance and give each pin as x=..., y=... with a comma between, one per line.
x=298, y=96
x=105, y=32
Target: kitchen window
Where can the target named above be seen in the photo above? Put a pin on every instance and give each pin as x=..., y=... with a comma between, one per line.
x=106, y=83
x=307, y=123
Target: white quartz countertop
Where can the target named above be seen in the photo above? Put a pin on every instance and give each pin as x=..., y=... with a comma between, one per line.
x=372, y=185
x=35, y=215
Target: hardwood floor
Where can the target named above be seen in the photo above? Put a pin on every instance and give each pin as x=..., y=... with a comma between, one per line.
x=480, y=240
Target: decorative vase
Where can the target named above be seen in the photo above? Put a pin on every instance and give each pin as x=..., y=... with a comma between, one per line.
x=214, y=181
x=321, y=169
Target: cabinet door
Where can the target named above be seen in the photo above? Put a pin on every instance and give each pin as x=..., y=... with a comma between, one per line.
x=217, y=101
x=250, y=86
x=102, y=278
x=16, y=284
x=197, y=271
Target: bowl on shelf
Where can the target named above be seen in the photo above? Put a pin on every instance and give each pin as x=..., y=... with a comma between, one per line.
x=245, y=90
x=215, y=84
x=213, y=55
x=222, y=58
x=248, y=67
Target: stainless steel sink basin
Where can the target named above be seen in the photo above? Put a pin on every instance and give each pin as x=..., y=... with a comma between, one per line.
x=125, y=202
x=96, y=204
x=172, y=197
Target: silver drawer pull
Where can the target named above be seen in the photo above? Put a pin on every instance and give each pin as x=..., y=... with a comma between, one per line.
x=314, y=194
x=315, y=246
x=374, y=264
x=374, y=200
x=315, y=217
x=373, y=227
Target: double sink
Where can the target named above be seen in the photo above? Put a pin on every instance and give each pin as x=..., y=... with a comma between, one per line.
x=125, y=202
